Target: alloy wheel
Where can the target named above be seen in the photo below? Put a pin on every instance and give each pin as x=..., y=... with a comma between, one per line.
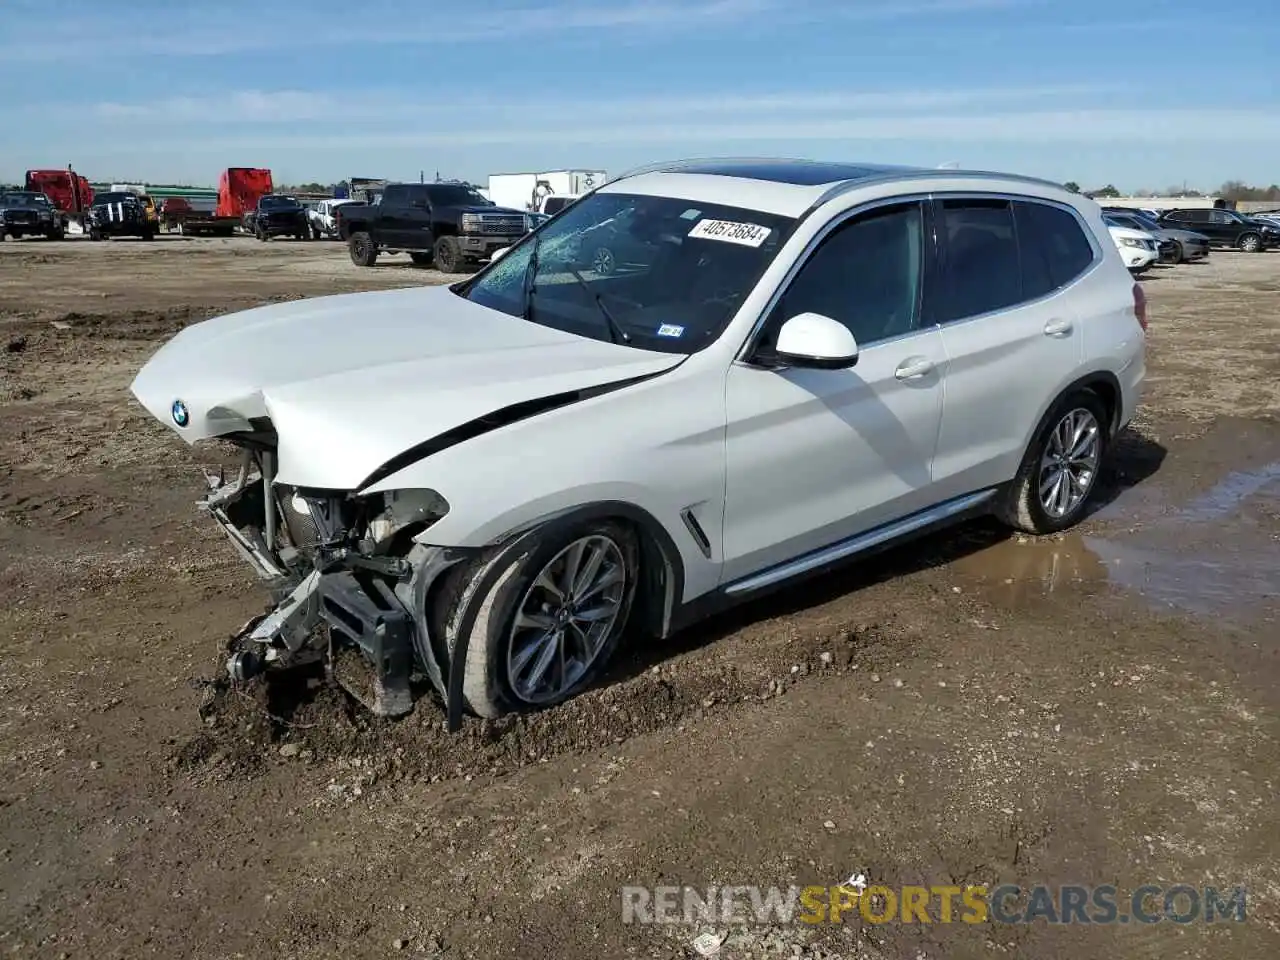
x=1069, y=464
x=603, y=263
x=564, y=618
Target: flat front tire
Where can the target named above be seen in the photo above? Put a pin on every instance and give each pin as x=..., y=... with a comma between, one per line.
x=1059, y=472
x=543, y=627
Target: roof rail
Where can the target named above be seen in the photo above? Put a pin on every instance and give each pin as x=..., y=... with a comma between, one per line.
x=915, y=173
x=674, y=166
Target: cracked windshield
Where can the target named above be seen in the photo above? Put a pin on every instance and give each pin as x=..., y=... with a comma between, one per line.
x=650, y=272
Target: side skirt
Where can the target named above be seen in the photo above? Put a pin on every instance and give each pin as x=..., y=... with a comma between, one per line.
x=826, y=559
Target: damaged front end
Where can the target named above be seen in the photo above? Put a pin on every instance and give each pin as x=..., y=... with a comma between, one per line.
x=347, y=578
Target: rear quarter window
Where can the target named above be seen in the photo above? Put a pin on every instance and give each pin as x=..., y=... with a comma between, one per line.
x=1052, y=237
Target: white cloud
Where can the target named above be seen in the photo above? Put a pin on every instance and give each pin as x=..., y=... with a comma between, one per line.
x=1118, y=126
x=282, y=106
x=185, y=30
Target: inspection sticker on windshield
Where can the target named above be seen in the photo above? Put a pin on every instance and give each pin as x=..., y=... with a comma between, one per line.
x=670, y=330
x=747, y=234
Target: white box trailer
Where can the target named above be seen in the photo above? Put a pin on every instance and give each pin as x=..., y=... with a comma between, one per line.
x=524, y=191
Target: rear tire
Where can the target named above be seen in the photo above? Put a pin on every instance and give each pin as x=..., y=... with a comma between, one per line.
x=363, y=251
x=1071, y=445
x=501, y=660
x=447, y=254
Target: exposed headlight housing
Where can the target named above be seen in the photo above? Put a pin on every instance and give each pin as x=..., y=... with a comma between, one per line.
x=398, y=514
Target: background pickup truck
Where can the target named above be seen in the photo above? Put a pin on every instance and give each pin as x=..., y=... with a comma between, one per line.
x=449, y=225
x=26, y=213
x=277, y=215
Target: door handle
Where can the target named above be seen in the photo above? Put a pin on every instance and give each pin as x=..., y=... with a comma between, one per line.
x=1057, y=328
x=913, y=368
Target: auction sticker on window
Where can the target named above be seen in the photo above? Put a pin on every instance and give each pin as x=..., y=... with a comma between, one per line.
x=746, y=234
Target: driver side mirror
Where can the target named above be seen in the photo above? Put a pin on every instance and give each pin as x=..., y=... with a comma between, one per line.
x=814, y=341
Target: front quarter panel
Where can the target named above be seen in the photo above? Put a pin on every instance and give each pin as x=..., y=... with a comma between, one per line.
x=657, y=445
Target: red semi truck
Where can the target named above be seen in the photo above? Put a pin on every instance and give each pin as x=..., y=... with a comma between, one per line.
x=68, y=191
x=238, y=191
x=240, y=188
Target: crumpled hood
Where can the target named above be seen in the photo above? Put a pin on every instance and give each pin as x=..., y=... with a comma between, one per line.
x=350, y=381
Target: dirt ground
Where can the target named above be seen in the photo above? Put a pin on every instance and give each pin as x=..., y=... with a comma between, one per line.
x=1095, y=708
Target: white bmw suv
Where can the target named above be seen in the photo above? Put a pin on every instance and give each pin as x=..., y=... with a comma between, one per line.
x=698, y=383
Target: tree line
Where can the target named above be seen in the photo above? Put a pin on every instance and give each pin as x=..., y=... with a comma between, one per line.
x=1231, y=190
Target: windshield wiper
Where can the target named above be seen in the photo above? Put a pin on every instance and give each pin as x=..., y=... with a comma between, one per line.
x=616, y=333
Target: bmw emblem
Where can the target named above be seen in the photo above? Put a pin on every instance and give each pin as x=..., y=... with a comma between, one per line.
x=180, y=414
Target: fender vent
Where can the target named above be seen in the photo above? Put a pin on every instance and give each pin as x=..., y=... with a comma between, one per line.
x=695, y=530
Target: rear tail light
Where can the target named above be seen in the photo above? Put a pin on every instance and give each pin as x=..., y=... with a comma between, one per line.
x=1140, y=305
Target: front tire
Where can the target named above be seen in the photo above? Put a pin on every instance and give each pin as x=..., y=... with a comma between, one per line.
x=363, y=251
x=1059, y=471
x=447, y=254
x=541, y=630
x=1250, y=243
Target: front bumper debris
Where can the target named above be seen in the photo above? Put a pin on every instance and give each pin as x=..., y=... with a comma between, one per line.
x=331, y=601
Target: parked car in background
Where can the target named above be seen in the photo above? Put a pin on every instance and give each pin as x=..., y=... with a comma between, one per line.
x=119, y=214
x=278, y=215
x=1166, y=248
x=490, y=483
x=321, y=217
x=196, y=218
x=449, y=225
x=618, y=244
x=1271, y=218
x=1138, y=249
x=1226, y=228
x=27, y=213
x=1185, y=245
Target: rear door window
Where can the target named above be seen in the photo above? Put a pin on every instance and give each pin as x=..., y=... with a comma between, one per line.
x=982, y=271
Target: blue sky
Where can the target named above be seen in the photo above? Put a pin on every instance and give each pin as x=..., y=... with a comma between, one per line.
x=1143, y=94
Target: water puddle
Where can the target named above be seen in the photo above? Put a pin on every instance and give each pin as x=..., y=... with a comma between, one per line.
x=1216, y=556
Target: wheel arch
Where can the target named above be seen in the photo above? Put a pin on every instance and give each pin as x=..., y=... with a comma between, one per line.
x=1104, y=383
x=662, y=570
